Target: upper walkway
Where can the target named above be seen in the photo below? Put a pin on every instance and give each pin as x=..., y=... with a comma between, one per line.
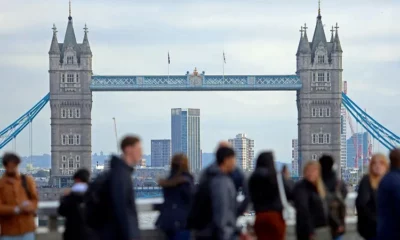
x=196, y=82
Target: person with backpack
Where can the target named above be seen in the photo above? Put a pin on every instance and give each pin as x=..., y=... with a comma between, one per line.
x=265, y=196
x=366, y=201
x=110, y=208
x=213, y=213
x=178, y=195
x=336, y=195
x=309, y=200
x=71, y=208
x=18, y=201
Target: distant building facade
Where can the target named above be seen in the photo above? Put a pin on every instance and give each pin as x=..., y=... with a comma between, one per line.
x=295, y=158
x=343, y=141
x=362, y=141
x=185, y=135
x=160, y=152
x=244, y=148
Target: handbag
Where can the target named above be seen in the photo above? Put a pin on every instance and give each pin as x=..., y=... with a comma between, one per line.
x=282, y=194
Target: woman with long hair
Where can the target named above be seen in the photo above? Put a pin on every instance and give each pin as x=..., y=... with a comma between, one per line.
x=311, y=208
x=264, y=194
x=178, y=193
x=367, y=196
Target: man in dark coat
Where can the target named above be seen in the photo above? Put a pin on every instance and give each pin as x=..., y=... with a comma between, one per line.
x=70, y=208
x=122, y=222
x=389, y=200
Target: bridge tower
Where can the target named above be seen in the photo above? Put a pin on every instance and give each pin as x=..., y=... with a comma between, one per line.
x=319, y=65
x=71, y=104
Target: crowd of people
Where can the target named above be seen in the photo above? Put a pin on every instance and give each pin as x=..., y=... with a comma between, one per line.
x=105, y=208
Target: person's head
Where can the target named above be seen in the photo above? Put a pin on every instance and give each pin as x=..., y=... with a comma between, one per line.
x=394, y=157
x=226, y=159
x=377, y=168
x=179, y=164
x=81, y=176
x=285, y=171
x=266, y=160
x=131, y=148
x=326, y=162
x=224, y=144
x=10, y=163
x=312, y=173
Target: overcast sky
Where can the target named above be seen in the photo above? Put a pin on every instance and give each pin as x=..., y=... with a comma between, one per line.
x=259, y=37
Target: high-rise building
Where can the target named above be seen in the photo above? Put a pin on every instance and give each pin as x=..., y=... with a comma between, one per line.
x=70, y=74
x=185, y=135
x=160, y=152
x=295, y=158
x=244, y=149
x=362, y=141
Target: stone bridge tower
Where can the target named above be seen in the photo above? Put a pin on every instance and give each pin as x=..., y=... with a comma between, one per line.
x=319, y=65
x=71, y=104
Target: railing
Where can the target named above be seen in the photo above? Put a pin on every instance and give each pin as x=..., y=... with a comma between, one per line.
x=47, y=213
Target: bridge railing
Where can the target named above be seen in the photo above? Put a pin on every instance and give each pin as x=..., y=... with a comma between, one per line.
x=51, y=225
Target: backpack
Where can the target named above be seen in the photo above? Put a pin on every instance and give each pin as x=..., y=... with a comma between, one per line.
x=200, y=214
x=336, y=210
x=94, y=205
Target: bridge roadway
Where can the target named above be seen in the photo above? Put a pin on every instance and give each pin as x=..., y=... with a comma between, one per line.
x=146, y=209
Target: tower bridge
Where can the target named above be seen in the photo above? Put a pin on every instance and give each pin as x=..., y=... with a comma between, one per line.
x=317, y=83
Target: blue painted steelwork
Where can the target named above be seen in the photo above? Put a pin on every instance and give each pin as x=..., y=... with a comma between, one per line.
x=12, y=131
x=386, y=137
x=196, y=82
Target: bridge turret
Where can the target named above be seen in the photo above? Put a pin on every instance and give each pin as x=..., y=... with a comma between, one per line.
x=86, y=52
x=303, y=51
x=337, y=50
x=54, y=52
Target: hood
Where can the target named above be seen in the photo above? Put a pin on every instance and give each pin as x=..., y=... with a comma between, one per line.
x=118, y=162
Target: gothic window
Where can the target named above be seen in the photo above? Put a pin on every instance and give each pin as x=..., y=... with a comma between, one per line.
x=64, y=165
x=321, y=59
x=77, y=139
x=63, y=113
x=314, y=157
x=70, y=78
x=70, y=140
x=78, y=166
x=77, y=158
x=64, y=158
x=63, y=78
x=327, y=138
x=313, y=77
x=77, y=78
x=314, y=112
x=314, y=138
x=77, y=113
x=64, y=139
x=328, y=77
x=70, y=60
x=70, y=113
x=71, y=163
x=321, y=77
x=321, y=112
x=328, y=112
x=320, y=138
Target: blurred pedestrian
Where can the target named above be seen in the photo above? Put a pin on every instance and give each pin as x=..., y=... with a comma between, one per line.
x=336, y=195
x=18, y=202
x=265, y=196
x=367, y=197
x=71, y=208
x=309, y=199
x=178, y=191
x=389, y=199
x=288, y=180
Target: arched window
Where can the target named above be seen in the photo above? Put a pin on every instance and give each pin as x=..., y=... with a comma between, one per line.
x=321, y=59
x=70, y=60
x=63, y=113
x=314, y=138
x=77, y=158
x=71, y=140
x=314, y=157
x=77, y=112
x=71, y=163
x=314, y=112
x=77, y=139
x=327, y=138
x=321, y=138
x=64, y=139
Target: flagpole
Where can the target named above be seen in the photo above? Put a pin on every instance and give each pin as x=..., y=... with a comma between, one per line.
x=168, y=65
x=223, y=65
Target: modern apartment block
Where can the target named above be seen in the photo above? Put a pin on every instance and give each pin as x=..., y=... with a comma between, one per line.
x=160, y=152
x=244, y=148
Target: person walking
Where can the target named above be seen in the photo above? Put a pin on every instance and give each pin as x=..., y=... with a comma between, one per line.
x=311, y=208
x=288, y=180
x=110, y=208
x=265, y=196
x=389, y=199
x=214, y=211
x=18, y=202
x=336, y=195
x=178, y=193
x=71, y=208
x=366, y=201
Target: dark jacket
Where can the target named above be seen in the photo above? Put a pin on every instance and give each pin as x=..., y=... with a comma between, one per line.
x=332, y=183
x=389, y=206
x=224, y=206
x=239, y=180
x=366, y=209
x=122, y=222
x=178, y=194
x=71, y=208
x=264, y=191
x=311, y=210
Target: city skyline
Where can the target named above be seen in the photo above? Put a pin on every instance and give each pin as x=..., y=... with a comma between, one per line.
x=217, y=125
